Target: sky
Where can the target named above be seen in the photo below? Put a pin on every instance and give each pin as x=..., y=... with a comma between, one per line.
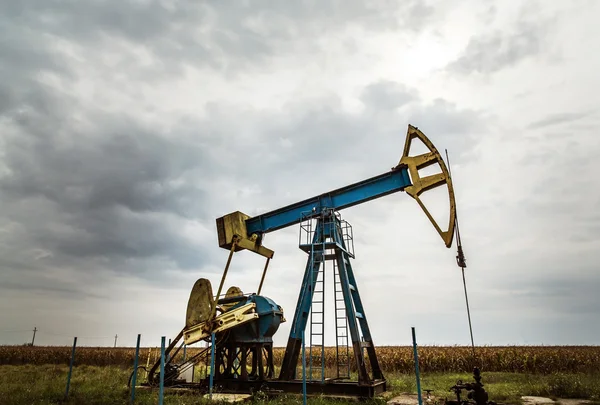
x=128, y=127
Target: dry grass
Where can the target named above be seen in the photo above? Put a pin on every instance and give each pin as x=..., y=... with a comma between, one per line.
x=530, y=359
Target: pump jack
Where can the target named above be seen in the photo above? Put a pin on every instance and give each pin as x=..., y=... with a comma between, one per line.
x=245, y=323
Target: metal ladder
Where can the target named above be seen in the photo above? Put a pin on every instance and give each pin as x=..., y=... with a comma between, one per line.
x=342, y=349
x=317, y=323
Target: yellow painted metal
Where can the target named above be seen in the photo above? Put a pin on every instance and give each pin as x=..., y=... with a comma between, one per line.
x=232, y=249
x=262, y=279
x=232, y=291
x=200, y=303
x=422, y=184
x=232, y=226
x=226, y=320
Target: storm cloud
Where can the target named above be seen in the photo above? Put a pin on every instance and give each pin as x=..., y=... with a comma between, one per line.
x=127, y=128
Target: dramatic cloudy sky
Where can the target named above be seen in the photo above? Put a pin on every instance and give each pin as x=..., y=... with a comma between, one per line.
x=127, y=127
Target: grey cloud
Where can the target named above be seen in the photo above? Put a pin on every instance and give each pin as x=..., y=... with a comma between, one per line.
x=105, y=191
x=228, y=36
x=105, y=188
x=117, y=164
x=558, y=294
x=458, y=129
x=556, y=119
x=51, y=288
x=137, y=21
x=386, y=95
x=313, y=132
x=496, y=50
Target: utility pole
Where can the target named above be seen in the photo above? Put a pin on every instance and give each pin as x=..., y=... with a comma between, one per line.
x=33, y=339
x=116, y=340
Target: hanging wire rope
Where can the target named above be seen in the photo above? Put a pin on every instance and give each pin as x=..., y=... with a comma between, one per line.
x=462, y=263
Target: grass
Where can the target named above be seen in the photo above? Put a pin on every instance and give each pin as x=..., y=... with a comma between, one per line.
x=45, y=384
x=508, y=387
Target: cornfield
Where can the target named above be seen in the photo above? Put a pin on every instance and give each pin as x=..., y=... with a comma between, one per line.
x=529, y=359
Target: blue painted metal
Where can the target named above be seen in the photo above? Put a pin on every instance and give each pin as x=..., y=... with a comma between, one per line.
x=71, y=367
x=416, y=356
x=350, y=287
x=212, y=364
x=262, y=329
x=345, y=197
x=135, y=367
x=329, y=230
x=306, y=290
x=161, y=389
x=317, y=308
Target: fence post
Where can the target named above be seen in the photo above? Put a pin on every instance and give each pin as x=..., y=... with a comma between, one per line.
x=135, y=367
x=161, y=392
x=416, y=355
x=212, y=364
x=303, y=370
x=71, y=367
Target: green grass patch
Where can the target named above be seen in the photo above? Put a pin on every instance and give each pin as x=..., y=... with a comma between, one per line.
x=45, y=384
